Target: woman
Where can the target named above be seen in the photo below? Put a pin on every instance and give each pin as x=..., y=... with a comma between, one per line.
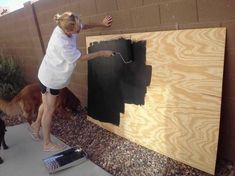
x=57, y=67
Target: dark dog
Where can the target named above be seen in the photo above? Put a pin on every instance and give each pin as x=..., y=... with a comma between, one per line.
x=2, y=137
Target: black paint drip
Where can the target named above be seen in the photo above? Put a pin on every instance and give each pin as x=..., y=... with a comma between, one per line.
x=112, y=83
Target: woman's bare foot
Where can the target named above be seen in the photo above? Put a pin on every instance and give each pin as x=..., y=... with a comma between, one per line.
x=53, y=147
x=34, y=132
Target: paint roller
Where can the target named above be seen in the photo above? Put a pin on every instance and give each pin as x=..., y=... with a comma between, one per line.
x=120, y=55
x=122, y=48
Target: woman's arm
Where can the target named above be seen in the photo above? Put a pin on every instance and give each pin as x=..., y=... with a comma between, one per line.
x=102, y=53
x=106, y=22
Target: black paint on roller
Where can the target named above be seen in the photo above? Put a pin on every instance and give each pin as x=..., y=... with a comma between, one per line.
x=111, y=82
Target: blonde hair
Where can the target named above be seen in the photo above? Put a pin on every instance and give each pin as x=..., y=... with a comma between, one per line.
x=67, y=20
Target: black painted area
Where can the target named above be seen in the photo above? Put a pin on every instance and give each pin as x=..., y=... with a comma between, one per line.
x=136, y=76
x=111, y=82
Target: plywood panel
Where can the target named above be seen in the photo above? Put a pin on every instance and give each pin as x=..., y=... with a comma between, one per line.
x=181, y=114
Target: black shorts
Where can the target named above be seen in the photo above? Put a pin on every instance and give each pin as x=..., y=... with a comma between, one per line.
x=44, y=89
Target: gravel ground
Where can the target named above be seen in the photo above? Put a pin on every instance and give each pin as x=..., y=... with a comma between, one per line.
x=117, y=155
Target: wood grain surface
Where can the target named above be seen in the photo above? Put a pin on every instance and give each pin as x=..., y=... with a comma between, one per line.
x=181, y=114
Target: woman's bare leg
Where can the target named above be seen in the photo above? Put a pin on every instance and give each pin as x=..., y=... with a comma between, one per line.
x=48, y=110
x=37, y=124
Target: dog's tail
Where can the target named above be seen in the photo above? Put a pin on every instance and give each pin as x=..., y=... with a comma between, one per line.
x=10, y=108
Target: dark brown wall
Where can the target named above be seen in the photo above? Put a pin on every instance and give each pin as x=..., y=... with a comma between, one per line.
x=19, y=37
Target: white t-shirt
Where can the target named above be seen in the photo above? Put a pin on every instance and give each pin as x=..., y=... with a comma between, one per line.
x=59, y=61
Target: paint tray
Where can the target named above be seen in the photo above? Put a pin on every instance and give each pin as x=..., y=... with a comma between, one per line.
x=65, y=159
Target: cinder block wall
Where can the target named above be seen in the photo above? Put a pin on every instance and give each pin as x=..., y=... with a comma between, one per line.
x=20, y=37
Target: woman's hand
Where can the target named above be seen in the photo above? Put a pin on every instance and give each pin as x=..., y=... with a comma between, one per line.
x=107, y=21
x=106, y=53
x=101, y=53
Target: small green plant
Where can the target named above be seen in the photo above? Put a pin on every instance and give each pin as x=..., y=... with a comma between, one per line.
x=11, y=79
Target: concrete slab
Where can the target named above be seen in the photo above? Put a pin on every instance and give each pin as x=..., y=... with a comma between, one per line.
x=24, y=157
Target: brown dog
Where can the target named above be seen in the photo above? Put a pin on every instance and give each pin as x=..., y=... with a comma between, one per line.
x=28, y=100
